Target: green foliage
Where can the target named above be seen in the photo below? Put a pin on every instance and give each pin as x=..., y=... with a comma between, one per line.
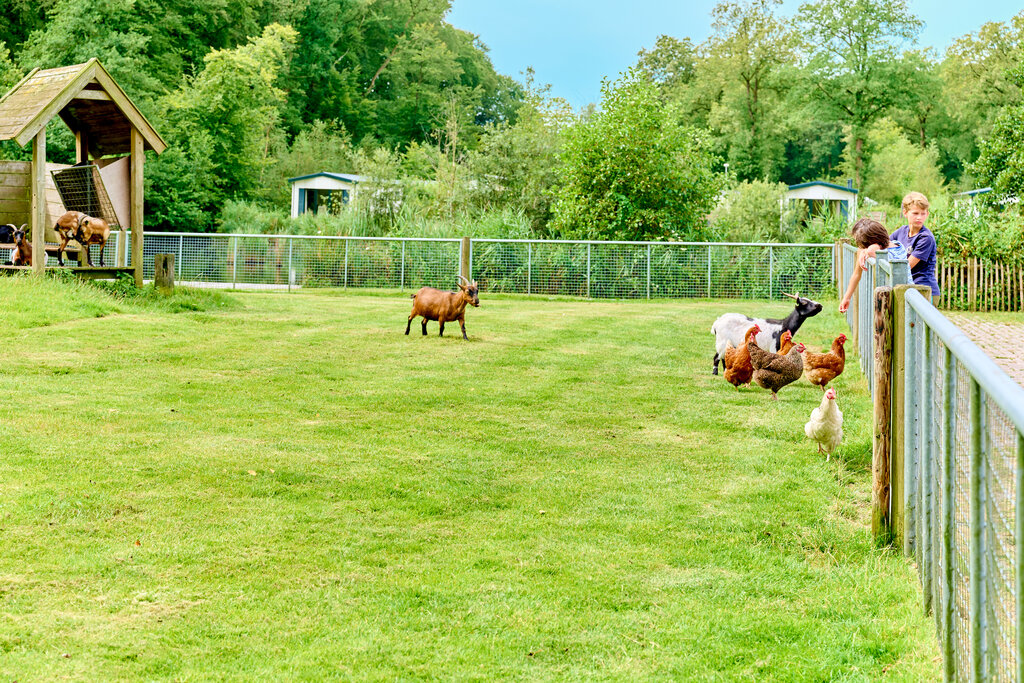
x=752, y=212
x=895, y=166
x=1001, y=164
x=631, y=172
x=966, y=230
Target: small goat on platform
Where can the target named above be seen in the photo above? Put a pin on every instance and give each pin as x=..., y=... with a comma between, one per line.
x=433, y=304
x=66, y=226
x=92, y=231
x=22, y=254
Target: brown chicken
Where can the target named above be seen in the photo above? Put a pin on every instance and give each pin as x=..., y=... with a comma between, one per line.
x=785, y=342
x=738, y=369
x=773, y=371
x=822, y=368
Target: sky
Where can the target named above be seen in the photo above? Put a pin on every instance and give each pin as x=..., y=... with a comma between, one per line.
x=572, y=44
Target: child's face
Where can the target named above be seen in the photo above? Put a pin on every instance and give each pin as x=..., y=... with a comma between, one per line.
x=916, y=217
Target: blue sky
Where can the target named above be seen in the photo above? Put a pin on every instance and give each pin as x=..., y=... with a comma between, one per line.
x=572, y=44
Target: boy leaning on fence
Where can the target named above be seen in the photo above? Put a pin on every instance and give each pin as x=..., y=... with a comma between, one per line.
x=922, y=251
x=869, y=236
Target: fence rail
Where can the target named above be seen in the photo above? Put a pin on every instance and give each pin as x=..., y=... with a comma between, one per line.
x=949, y=471
x=597, y=269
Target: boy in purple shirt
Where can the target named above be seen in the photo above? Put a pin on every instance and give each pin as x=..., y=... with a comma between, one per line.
x=919, y=241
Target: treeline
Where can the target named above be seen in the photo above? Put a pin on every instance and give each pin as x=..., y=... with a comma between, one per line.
x=251, y=92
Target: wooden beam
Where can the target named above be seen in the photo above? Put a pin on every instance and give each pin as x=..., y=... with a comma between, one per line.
x=37, y=222
x=138, y=158
x=881, y=521
x=93, y=95
x=81, y=146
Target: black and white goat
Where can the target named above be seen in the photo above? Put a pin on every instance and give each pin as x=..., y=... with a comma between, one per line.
x=730, y=328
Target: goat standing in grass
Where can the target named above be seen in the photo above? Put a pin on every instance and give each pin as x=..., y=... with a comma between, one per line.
x=433, y=304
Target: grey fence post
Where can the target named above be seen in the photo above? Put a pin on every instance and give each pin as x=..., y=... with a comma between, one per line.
x=949, y=402
x=1019, y=578
x=910, y=383
x=648, y=271
x=708, y=294
x=771, y=272
x=588, y=269
x=977, y=521
x=927, y=448
x=529, y=266
x=234, y=263
x=290, y=243
x=345, y=281
x=401, y=284
x=181, y=254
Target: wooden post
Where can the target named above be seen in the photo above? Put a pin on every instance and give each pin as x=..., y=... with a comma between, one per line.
x=163, y=272
x=138, y=158
x=464, y=258
x=881, y=521
x=37, y=221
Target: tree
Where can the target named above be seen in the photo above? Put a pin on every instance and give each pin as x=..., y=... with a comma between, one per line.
x=1001, y=163
x=895, y=165
x=670, y=65
x=746, y=55
x=632, y=172
x=853, y=71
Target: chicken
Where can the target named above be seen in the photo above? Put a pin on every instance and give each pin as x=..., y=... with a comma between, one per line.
x=826, y=424
x=738, y=369
x=822, y=368
x=772, y=371
x=785, y=342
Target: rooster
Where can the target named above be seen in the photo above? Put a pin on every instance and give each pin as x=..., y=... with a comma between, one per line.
x=826, y=424
x=822, y=368
x=772, y=371
x=738, y=369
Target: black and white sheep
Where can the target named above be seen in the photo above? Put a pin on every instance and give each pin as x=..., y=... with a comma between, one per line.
x=730, y=328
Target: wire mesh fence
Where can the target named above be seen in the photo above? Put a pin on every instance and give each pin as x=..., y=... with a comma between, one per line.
x=618, y=270
x=964, y=456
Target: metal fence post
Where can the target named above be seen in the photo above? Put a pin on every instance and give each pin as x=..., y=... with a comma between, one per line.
x=771, y=272
x=290, y=243
x=949, y=402
x=648, y=271
x=709, y=272
x=977, y=531
x=345, y=281
x=529, y=267
x=588, y=269
x=1019, y=569
x=401, y=284
x=927, y=448
x=234, y=263
x=181, y=253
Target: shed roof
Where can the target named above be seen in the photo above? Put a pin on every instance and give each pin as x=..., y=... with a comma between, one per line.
x=86, y=98
x=344, y=177
x=823, y=184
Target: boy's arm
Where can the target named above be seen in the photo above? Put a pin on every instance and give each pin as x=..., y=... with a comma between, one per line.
x=913, y=261
x=850, y=289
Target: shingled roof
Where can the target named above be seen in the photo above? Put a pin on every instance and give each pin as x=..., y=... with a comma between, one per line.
x=86, y=98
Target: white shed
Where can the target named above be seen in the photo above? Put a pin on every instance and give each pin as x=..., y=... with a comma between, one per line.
x=312, y=192
x=821, y=197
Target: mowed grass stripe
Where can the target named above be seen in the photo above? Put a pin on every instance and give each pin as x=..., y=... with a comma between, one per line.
x=286, y=486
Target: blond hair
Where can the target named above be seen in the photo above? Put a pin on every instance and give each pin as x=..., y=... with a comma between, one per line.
x=915, y=199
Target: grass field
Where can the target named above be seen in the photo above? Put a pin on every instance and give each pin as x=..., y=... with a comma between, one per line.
x=284, y=486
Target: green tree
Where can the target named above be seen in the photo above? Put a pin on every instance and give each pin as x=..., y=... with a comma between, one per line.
x=854, y=74
x=1001, y=163
x=632, y=172
x=670, y=65
x=896, y=165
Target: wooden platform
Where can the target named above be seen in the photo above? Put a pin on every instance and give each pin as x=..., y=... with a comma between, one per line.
x=87, y=272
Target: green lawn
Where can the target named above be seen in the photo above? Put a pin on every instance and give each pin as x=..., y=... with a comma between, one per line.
x=284, y=486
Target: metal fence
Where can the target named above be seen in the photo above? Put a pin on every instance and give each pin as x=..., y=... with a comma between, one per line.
x=621, y=270
x=963, y=463
x=956, y=479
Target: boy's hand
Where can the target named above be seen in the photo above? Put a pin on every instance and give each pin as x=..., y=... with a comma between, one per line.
x=843, y=305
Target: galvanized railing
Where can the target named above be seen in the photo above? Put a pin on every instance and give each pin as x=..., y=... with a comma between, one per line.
x=598, y=269
x=963, y=516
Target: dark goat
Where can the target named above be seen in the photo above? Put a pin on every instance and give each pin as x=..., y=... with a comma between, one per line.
x=730, y=328
x=433, y=304
x=22, y=254
x=7, y=233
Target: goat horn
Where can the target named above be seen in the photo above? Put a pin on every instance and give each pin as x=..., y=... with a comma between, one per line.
x=464, y=280
x=791, y=296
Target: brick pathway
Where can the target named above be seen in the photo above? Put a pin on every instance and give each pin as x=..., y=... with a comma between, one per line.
x=1003, y=342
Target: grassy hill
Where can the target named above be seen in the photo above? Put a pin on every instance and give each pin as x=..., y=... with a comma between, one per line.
x=284, y=486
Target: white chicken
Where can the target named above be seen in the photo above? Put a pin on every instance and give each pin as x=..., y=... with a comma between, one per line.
x=826, y=424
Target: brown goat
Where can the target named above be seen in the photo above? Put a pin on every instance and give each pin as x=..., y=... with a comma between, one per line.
x=433, y=304
x=92, y=231
x=66, y=226
x=22, y=254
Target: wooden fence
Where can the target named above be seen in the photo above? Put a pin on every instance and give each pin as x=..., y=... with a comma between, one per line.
x=981, y=286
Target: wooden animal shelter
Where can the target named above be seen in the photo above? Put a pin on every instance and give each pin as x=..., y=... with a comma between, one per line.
x=111, y=137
